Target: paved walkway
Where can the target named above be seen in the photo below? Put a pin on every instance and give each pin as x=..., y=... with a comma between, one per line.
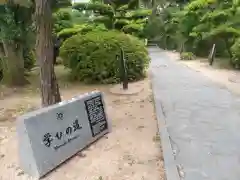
x=199, y=120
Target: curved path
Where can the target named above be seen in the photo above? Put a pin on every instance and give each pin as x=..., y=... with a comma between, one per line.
x=199, y=122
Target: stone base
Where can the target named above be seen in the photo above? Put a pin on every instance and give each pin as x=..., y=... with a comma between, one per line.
x=133, y=88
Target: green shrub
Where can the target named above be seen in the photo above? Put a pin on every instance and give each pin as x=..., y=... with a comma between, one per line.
x=108, y=22
x=92, y=57
x=134, y=29
x=62, y=19
x=62, y=15
x=103, y=9
x=141, y=13
x=119, y=23
x=187, y=56
x=68, y=32
x=82, y=29
x=29, y=59
x=235, y=49
x=93, y=28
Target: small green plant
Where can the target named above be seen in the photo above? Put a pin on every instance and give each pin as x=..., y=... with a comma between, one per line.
x=235, y=49
x=187, y=56
x=133, y=29
x=92, y=57
x=29, y=59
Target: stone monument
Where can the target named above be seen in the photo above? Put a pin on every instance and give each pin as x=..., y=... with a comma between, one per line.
x=49, y=136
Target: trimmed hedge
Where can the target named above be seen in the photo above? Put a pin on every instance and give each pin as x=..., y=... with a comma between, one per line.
x=103, y=9
x=62, y=19
x=120, y=23
x=235, y=49
x=92, y=57
x=187, y=56
x=82, y=29
x=134, y=29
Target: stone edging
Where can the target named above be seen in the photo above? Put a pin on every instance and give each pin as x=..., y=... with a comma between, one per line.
x=170, y=166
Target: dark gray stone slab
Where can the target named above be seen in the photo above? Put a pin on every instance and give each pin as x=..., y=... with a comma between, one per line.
x=49, y=136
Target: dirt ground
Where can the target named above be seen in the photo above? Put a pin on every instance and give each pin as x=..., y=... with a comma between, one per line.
x=220, y=72
x=130, y=152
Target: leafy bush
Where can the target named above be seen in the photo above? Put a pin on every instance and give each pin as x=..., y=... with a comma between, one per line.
x=93, y=28
x=92, y=57
x=119, y=23
x=68, y=32
x=62, y=19
x=29, y=59
x=82, y=29
x=134, y=29
x=187, y=56
x=141, y=13
x=108, y=22
x=235, y=49
x=102, y=9
x=62, y=15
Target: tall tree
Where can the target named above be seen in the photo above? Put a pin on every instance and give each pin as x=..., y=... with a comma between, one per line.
x=44, y=49
x=15, y=21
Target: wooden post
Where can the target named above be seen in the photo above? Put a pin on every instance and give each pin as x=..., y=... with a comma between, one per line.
x=211, y=56
x=124, y=76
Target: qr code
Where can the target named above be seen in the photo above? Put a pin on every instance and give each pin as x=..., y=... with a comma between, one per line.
x=96, y=115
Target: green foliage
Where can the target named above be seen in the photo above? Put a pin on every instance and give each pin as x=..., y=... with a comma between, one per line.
x=235, y=49
x=15, y=22
x=196, y=26
x=187, y=56
x=57, y=4
x=153, y=28
x=116, y=4
x=116, y=14
x=82, y=29
x=29, y=59
x=141, y=13
x=134, y=29
x=62, y=20
x=79, y=17
x=199, y=4
x=222, y=31
x=92, y=28
x=102, y=9
x=92, y=57
x=68, y=32
x=120, y=23
x=104, y=20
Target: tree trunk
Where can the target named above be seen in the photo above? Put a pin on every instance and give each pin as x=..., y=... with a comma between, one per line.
x=13, y=65
x=44, y=49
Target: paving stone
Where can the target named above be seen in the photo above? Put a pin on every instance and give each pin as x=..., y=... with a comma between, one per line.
x=202, y=119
